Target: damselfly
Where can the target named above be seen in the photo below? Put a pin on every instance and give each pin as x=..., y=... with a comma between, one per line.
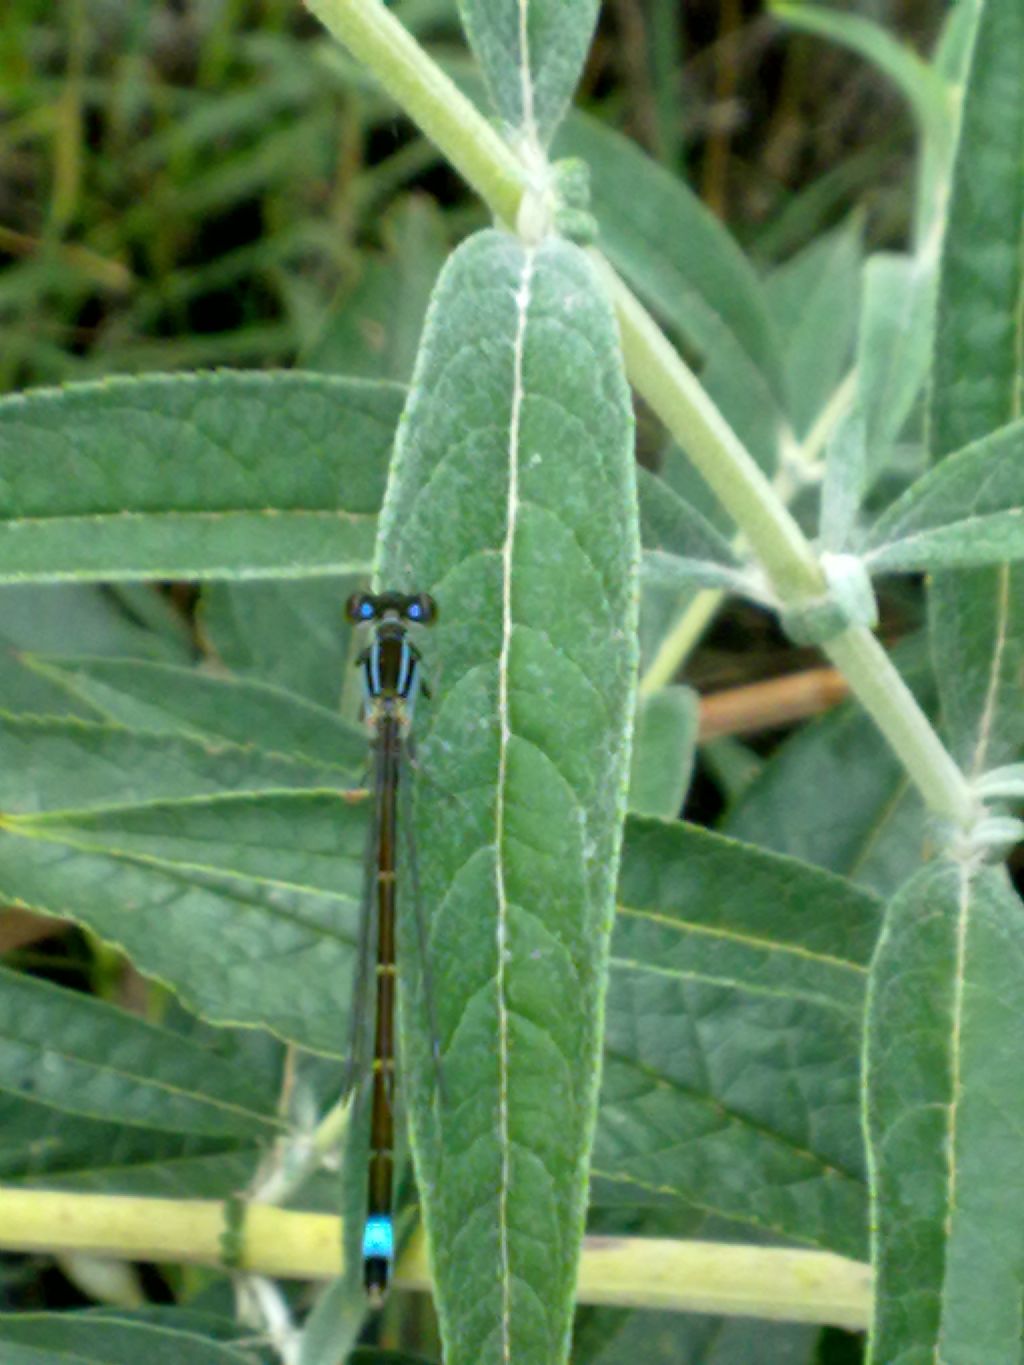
x=391, y=681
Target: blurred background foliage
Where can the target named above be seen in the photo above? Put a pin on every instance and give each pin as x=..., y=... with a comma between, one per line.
x=191, y=183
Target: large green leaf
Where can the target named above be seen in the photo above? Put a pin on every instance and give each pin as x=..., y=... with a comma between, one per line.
x=41, y=1145
x=291, y=634
x=512, y=500
x=228, y=872
x=696, y=1339
x=967, y=510
x=732, y=1065
x=91, y=1339
x=235, y=475
x=978, y=618
x=945, y=1116
x=162, y=699
x=531, y=53
x=85, y=1057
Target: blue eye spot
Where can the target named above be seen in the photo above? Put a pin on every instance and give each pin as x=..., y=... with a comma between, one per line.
x=366, y=611
x=414, y=612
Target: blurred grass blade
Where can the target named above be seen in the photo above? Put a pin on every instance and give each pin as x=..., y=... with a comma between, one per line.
x=921, y=85
x=531, y=53
x=945, y=1118
x=224, y=474
x=512, y=501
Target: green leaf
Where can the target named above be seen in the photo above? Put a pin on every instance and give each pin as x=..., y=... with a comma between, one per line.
x=373, y=332
x=845, y=481
x=681, y=546
x=732, y=1049
x=162, y=699
x=979, y=388
x=91, y=1339
x=945, y=1120
x=85, y=1057
x=292, y=635
x=894, y=342
x=230, y=874
x=968, y=510
x=512, y=501
x=664, y=745
x=43, y=1146
x=695, y=277
x=696, y=1339
x=531, y=53
x=814, y=299
x=236, y=475
x=870, y=827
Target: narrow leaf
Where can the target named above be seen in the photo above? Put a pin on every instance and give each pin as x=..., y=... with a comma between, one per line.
x=85, y=1057
x=182, y=701
x=230, y=874
x=680, y=545
x=664, y=745
x=967, y=510
x=91, y=1339
x=979, y=387
x=894, y=343
x=531, y=53
x=945, y=1120
x=815, y=298
x=512, y=500
x=695, y=277
x=236, y=475
x=732, y=1064
x=289, y=634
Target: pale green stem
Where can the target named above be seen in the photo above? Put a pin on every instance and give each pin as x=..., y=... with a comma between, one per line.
x=791, y=1285
x=490, y=166
x=660, y=375
x=887, y=699
x=473, y=146
x=680, y=641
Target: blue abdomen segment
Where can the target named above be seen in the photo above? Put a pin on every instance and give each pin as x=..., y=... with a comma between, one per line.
x=379, y=1238
x=378, y=1255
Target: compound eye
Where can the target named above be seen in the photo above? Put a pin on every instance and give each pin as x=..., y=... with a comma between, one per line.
x=361, y=606
x=421, y=609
